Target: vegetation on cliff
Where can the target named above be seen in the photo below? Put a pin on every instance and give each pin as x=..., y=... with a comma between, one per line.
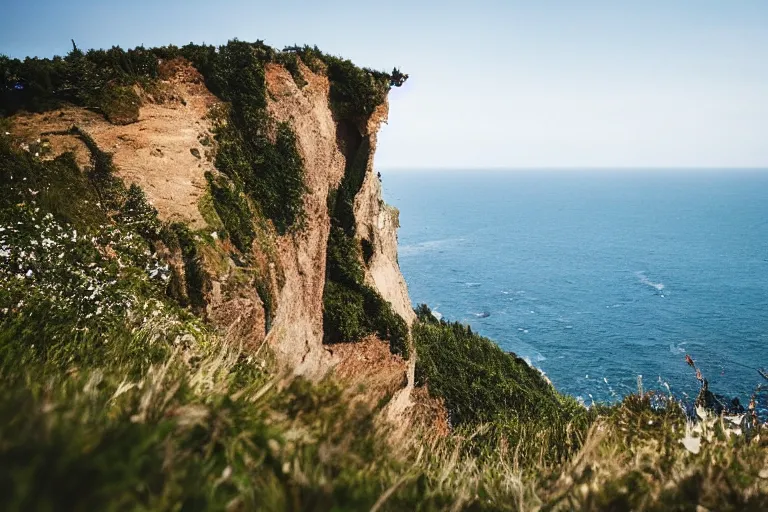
x=481, y=384
x=351, y=308
x=259, y=156
x=256, y=156
x=116, y=395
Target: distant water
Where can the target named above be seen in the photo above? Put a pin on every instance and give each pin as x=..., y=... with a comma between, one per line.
x=597, y=277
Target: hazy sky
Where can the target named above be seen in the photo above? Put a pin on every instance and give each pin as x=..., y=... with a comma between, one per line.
x=493, y=83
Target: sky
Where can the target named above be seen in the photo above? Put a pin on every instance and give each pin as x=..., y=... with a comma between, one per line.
x=493, y=84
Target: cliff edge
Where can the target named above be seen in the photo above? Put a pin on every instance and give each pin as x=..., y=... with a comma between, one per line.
x=260, y=279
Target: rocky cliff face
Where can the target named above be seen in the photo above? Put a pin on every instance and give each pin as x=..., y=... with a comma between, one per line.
x=168, y=151
x=297, y=333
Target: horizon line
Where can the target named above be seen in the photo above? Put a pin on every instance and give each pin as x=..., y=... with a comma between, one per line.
x=573, y=168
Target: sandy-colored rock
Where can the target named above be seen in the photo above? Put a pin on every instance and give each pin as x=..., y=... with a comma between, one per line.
x=297, y=333
x=154, y=152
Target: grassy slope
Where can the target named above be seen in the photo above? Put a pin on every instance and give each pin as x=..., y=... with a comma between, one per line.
x=116, y=397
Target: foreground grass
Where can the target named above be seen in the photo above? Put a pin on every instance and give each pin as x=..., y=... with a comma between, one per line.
x=207, y=428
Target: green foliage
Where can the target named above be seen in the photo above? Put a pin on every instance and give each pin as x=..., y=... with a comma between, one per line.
x=256, y=154
x=119, y=104
x=110, y=189
x=99, y=78
x=195, y=277
x=351, y=308
x=70, y=271
x=481, y=383
x=137, y=213
x=52, y=185
x=355, y=92
x=232, y=208
x=291, y=62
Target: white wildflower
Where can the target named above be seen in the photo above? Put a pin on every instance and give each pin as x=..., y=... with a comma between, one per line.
x=29, y=273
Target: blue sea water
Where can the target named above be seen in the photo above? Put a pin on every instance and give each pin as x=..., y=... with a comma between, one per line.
x=597, y=277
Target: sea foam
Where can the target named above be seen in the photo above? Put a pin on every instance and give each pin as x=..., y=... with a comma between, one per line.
x=644, y=279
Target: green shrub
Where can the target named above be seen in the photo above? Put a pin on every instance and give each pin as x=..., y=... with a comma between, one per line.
x=291, y=62
x=351, y=308
x=478, y=380
x=252, y=151
x=232, y=208
x=344, y=317
x=109, y=188
x=98, y=78
x=70, y=272
x=52, y=184
x=119, y=104
x=195, y=277
x=137, y=213
x=355, y=92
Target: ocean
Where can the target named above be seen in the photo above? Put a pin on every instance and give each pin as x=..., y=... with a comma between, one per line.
x=597, y=277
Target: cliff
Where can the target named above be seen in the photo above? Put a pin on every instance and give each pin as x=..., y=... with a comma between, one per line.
x=168, y=150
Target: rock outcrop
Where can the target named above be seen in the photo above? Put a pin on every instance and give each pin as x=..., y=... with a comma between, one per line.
x=167, y=152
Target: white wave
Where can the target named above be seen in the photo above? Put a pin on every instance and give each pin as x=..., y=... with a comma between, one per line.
x=472, y=285
x=676, y=349
x=644, y=279
x=422, y=247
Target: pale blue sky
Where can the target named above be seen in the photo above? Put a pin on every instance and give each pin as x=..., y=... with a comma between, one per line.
x=493, y=84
